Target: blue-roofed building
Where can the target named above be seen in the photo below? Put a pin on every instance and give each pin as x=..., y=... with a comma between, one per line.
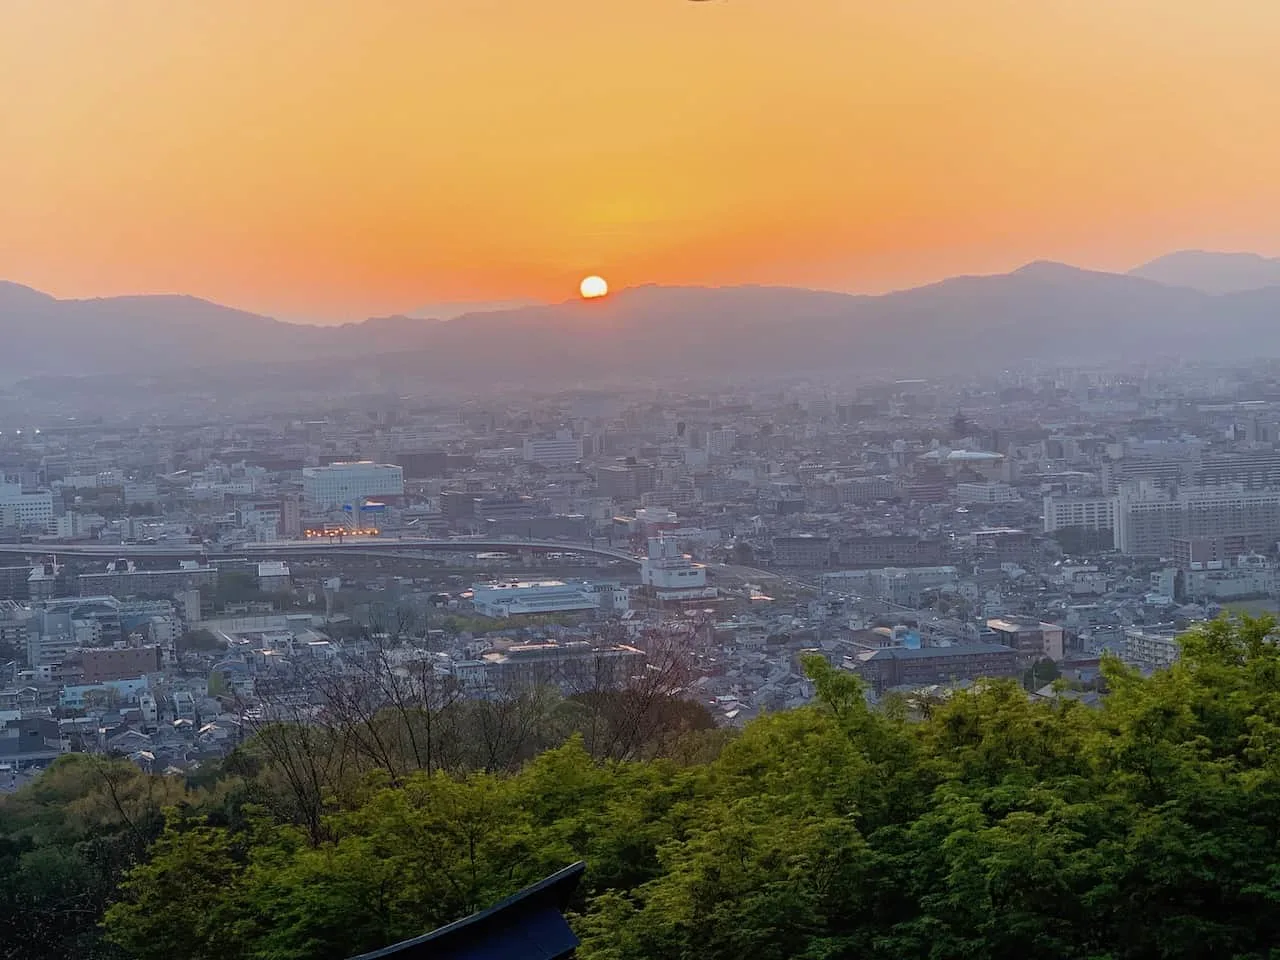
x=527, y=926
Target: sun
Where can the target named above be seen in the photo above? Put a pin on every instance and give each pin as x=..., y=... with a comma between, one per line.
x=593, y=287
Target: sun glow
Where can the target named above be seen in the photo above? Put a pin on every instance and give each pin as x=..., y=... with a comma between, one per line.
x=593, y=287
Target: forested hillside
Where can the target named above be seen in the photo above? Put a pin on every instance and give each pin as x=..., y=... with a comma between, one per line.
x=986, y=825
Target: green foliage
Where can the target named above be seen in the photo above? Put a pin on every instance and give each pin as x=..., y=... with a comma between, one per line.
x=986, y=824
x=66, y=841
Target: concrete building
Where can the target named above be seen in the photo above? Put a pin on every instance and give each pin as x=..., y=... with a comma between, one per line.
x=903, y=585
x=1149, y=519
x=1005, y=545
x=925, y=666
x=1149, y=648
x=273, y=577
x=812, y=552
x=626, y=481
x=530, y=597
x=123, y=579
x=1031, y=638
x=670, y=574
x=1092, y=513
x=14, y=622
x=351, y=483
x=26, y=509
x=562, y=450
x=573, y=667
x=986, y=493
x=889, y=551
x=720, y=443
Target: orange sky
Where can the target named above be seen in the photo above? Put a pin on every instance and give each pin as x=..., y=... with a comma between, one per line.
x=335, y=159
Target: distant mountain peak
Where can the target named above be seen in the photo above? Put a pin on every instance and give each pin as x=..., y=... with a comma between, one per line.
x=1212, y=271
x=1048, y=267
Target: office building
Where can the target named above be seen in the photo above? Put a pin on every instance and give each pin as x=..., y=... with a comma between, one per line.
x=350, y=484
x=865, y=489
x=625, y=481
x=26, y=509
x=561, y=451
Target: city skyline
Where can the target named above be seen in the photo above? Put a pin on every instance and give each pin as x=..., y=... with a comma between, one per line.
x=330, y=162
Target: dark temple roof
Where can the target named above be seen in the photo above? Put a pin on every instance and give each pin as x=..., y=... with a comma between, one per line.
x=529, y=925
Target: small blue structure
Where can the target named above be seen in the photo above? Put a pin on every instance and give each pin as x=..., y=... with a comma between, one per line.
x=529, y=925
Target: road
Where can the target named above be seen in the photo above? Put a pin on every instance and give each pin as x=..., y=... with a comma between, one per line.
x=311, y=547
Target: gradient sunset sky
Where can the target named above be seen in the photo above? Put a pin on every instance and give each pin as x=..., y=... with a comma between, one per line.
x=325, y=159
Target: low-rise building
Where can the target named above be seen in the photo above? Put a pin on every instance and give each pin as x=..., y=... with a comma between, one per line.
x=572, y=667
x=924, y=666
x=1150, y=648
x=1032, y=638
x=526, y=597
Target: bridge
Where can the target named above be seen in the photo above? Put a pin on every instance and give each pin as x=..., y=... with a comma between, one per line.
x=315, y=546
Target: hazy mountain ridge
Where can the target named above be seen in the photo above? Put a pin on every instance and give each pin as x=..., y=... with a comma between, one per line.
x=1211, y=272
x=1041, y=311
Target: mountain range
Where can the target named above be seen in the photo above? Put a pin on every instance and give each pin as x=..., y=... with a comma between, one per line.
x=1187, y=304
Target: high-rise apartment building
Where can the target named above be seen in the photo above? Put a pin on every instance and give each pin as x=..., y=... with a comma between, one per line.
x=1149, y=519
x=1092, y=513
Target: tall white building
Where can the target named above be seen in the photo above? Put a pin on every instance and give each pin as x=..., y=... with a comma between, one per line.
x=23, y=509
x=1148, y=519
x=564, y=449
x=671, y=574
x=340, y=484
x=1093, y=513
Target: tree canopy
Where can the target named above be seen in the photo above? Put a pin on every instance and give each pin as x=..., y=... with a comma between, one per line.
x=991, y=825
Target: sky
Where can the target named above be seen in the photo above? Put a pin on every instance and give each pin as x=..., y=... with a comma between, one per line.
x=335, y=159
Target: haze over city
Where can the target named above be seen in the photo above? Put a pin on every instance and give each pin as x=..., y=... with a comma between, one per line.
x=325, y=160
x=639, y=480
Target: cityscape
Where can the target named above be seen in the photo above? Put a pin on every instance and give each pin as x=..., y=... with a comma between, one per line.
x=639, y=480
x=163, y=583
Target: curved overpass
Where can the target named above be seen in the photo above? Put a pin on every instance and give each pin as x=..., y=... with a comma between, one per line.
x=298, y=548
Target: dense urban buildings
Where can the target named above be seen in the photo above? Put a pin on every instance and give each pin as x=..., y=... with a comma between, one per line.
x=917, y=533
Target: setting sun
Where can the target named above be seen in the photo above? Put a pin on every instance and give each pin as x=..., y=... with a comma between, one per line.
x=593, y=287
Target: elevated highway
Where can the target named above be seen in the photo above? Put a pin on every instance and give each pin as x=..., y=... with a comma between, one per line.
x=314, y=547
